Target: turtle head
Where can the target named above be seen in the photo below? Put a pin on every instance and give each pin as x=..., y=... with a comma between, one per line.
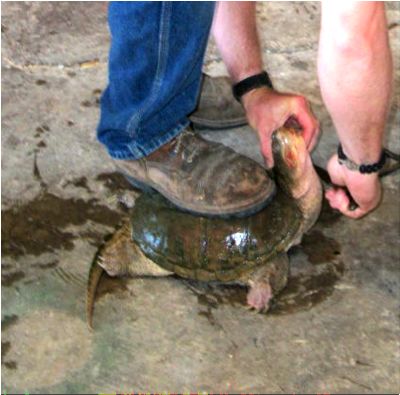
x=290, y=156
x=295, y=174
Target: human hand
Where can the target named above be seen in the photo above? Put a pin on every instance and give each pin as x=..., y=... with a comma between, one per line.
x=268, y=110
x=365, y=189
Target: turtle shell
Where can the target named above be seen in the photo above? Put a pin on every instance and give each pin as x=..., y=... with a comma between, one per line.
x=206, y=248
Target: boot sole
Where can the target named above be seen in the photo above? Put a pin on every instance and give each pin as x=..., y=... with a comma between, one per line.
x=206, y=124
x=239, y=214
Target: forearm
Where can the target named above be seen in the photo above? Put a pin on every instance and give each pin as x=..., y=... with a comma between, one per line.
x=235, y=32
x=355, y=72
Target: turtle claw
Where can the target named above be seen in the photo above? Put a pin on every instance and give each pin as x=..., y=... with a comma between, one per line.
x=255, y=310
x=265, y=309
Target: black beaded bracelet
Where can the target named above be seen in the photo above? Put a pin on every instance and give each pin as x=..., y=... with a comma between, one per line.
x=363, y=168
x=250, y=83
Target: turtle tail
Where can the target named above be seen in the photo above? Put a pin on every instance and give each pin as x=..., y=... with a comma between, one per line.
x=95, y=274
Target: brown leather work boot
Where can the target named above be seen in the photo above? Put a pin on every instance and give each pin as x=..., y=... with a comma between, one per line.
x=217, y=108
x=202, y=177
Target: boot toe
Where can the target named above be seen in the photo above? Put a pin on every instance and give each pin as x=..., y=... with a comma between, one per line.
x=248, y=187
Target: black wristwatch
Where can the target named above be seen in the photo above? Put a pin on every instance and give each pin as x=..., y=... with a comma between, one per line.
x=250, y=83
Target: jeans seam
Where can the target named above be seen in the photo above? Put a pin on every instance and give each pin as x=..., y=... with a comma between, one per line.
x=157, y=142
x=162, y=56
x=133, y=151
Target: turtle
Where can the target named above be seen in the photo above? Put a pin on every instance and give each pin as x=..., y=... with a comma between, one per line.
x=159, y=239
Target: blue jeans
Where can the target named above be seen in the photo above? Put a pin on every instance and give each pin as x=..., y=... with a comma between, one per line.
x=155, y=62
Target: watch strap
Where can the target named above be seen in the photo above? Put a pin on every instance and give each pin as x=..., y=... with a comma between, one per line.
x=250, y=83
x=363, y=168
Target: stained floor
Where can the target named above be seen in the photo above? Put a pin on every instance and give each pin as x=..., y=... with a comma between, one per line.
x=334, y=329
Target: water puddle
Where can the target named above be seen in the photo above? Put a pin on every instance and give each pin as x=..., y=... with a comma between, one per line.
x=114, y=182
x=8, y=321
x=8, y=279
x=39, y=226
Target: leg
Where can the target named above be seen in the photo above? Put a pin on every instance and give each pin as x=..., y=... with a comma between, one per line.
x=155, y=65
x=267, y=282
x=155, y=62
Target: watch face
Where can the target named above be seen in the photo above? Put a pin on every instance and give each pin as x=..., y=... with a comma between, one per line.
x=349, y=164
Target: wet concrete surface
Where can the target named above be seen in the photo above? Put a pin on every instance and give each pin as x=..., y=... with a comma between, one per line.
x=335, y=328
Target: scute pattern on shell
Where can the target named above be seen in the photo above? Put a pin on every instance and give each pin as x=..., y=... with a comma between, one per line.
x=212, y=248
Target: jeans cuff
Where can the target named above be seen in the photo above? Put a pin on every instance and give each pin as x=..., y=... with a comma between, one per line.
x=135, y=151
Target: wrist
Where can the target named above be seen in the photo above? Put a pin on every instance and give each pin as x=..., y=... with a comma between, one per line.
x=369, y=166
x=240, y=75
x=253, y=96
x=357, y=177
x=250, y=83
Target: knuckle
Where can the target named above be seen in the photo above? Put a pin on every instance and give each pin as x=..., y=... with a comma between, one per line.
x=266, y=151
x=300, y=101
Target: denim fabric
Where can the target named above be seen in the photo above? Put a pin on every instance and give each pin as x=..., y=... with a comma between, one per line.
x=155, y=61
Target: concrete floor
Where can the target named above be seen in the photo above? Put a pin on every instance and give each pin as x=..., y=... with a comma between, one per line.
x=335, y=328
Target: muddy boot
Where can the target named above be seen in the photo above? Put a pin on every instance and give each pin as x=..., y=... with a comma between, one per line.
x=202, y=177
x=217, y=108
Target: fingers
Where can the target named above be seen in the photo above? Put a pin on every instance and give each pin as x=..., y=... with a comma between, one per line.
x=366, y=202
x=339, y=200
x=307, y=121
x=268, y=110
x=365, y=189
x=335, y=171
x=266, y=148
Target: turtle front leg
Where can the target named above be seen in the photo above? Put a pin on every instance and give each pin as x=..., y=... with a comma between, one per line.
x=266, y=282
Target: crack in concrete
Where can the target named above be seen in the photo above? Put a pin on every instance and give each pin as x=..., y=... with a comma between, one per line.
x=357, y=383
x=36, y=172
x=32, y=67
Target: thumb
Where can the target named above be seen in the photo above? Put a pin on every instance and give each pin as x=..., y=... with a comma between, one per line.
x=335, y=171
x=266, y=149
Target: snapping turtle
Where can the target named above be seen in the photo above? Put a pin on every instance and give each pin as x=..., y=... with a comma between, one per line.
x=160, y=240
